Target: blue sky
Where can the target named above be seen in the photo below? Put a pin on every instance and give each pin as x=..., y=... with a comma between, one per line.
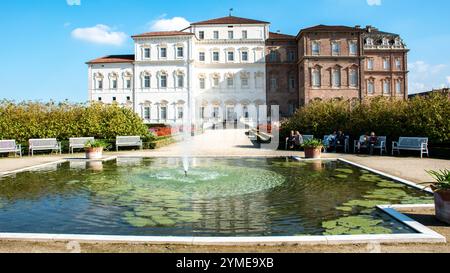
x=45, y=43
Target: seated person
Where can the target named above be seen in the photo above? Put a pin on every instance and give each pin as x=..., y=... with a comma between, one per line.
x=332, y=140
x=298, y=140
x=373, y=140
x=290, y=141
x=340, y=139
x=363, y=141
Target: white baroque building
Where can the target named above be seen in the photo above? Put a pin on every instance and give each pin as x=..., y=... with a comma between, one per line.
x=215, y=68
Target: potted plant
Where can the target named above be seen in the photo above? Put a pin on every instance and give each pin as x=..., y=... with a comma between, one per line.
x=441, y=189
x=94, y=149
x=313, y=148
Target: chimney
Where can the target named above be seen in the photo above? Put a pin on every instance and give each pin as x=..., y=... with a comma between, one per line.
x=369, y=28
x=358, y=26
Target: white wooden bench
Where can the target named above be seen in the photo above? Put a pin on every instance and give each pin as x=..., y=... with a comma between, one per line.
x=44, y=144
x=411, y=144
x=79, y=142
x=10, y=146
x=128, y=141
x=381, y=144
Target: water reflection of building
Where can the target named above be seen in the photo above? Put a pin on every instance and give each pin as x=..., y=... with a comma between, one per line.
x=234, y=215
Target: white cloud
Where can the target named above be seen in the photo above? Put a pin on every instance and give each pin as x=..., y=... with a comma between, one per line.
x=99, y=34
x=374, y=2
x=425, y=77
x=73, y=2
x=165, y=24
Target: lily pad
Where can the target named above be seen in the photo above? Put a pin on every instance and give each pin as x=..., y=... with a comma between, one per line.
x=364, y=203
x=350, y=225
x=341, y=176
x=346, y=209
x=389, y=184
x=347, y=171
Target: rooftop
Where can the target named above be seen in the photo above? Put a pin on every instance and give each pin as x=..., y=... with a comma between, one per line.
x=230, y=20
x=113, y=59
x=280, y=36
x=162, y=34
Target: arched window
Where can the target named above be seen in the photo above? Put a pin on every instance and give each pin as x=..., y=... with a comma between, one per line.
x=370, y=87
x=315, y=48
x=398, y=86
x=353, y=77
x=336, y=77
x=386, y=86
x=316, y=77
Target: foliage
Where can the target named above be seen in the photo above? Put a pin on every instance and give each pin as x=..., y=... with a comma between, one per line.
x=26, y=120
x=442, y=178
x=97, y=144
x=420, y=116
x=313, y=144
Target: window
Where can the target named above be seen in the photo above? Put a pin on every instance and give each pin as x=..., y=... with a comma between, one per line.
x=315, y=48
x=180, y=81
x=216, y=82
x=230, y=81
x=244, y=82
x=146, y=81
x=147, y=53
x=201, y=56
x=128, y=84
x=273, y=83
x=244, y=34
x=386, y=86
x=163, y=112
x=100, y=84
x=201, y=35
x=398, y=64
x=215, y=56
x=128, y=98
x=291, y=82
x=230, y=34
x=147, y=113
x=163, y=52
x=273, y=56
x=353, y=78
x=245, y=110
x=386, y=64
x=336, y=77
x=180, y=52
x=114, y=99
x=370, y=87
x=216, y=35
x=202, y=112
x=202, y=83
x=163, y=81
x=180, y=111
x=114, y=84
x=291, y=56
x=230, y=55
x=216, y=112
x=398, y=87
x=316, y=78
x=370, y=64
x=335, y=48
x=353, y=48
x=244, y=56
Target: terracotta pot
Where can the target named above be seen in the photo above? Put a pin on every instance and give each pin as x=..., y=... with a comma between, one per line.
x=442, y=205
x=94, y=153
x=313, y=152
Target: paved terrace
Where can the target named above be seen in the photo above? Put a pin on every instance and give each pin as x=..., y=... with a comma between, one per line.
x=222, y=143
x=235, y=143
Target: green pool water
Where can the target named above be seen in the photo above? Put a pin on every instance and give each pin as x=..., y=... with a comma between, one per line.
x=218, y=197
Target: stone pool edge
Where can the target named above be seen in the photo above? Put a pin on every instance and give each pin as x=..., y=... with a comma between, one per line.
x=424, y=235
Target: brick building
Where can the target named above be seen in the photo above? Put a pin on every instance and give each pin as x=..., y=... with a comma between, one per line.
x=340, y=62
x=281, y=70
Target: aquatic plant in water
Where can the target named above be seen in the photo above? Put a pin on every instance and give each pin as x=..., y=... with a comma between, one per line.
x=351, y=225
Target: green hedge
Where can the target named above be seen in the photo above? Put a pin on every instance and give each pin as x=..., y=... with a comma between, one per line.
x=420, y=116
x=27, y=120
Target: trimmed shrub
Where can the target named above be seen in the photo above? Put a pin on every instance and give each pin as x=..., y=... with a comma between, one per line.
x=38, y=120
x=420, y=117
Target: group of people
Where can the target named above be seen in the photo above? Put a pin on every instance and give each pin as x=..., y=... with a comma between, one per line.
x=334, y=141
x=295, y=140
x=367, y=141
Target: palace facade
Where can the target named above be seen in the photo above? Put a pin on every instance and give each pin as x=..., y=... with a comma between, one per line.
x=225, y=68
